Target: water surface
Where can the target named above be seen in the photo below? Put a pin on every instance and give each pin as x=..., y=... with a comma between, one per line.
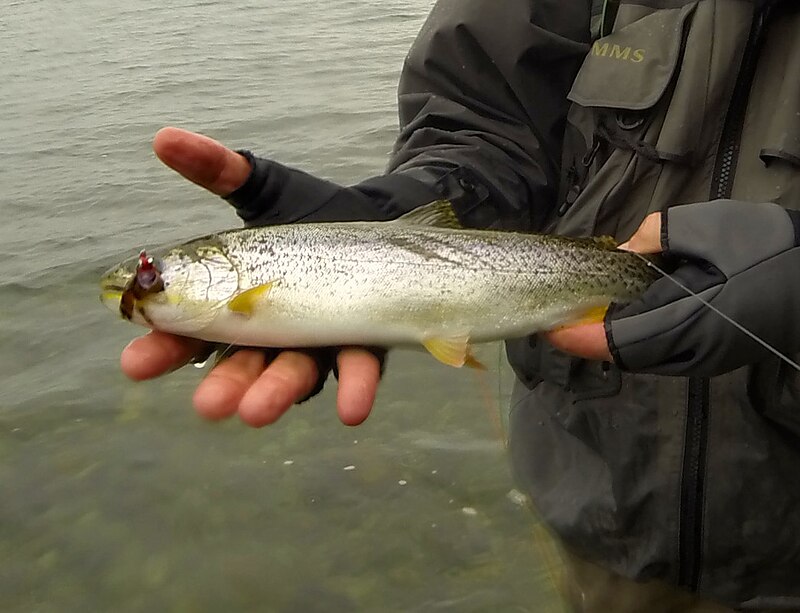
x=114, y=495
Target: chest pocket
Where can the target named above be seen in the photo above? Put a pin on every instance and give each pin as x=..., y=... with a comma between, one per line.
x=630, y=82
x=648, y=106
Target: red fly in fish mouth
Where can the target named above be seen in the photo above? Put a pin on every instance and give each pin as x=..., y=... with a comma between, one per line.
x=147, y=280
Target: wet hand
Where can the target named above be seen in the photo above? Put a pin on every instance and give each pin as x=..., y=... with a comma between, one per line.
x=589, y=340
x=259, y=392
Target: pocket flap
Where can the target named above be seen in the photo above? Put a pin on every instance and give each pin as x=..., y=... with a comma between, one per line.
x=632, y=67
x=782, y=139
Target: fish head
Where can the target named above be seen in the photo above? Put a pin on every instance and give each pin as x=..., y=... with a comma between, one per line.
x=179, y=289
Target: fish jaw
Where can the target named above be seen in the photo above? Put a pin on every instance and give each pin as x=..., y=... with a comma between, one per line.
x=113, y=284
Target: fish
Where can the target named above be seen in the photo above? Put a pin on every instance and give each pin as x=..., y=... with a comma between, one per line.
x=419, y=280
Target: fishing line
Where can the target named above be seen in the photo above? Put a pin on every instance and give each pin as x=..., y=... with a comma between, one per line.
x=492, y=409
x=504, y=422
x=714, y=309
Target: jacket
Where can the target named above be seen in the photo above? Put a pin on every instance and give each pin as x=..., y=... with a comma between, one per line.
x=528, y=119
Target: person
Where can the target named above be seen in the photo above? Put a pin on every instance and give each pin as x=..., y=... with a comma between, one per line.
x=662, y=445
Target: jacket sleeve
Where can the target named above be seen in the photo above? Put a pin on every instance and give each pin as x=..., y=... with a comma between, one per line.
x=482, y=102
x=742, y=259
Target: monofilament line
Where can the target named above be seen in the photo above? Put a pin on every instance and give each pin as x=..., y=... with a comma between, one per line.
x=736, y=324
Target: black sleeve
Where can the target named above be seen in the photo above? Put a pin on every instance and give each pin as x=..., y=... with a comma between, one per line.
x=483, y=105
x=276, y=194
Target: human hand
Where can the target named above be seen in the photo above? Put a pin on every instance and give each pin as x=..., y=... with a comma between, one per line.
x=589, y=340
x=732, y=297
x=739, y=261
x=260, y=391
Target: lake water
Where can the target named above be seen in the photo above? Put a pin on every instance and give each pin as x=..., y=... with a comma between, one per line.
x=114, y=495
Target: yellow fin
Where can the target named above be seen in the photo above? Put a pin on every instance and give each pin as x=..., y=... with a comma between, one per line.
x=248, y=300
x=595, y=315
x=454, y=351
x=472, y=362
x=438, y=214
x=606, y=242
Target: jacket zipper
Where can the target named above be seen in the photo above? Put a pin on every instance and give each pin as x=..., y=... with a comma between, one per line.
x=698, y=388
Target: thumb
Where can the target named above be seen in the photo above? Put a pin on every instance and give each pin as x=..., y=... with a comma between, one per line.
x=201, y=160
x=647, y=239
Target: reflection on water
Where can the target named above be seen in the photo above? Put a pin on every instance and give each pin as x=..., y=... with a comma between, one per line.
x=113, y=495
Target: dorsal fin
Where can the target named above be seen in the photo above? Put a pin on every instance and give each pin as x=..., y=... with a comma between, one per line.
x=601, y=242
x=606, y=242
x=439, y=213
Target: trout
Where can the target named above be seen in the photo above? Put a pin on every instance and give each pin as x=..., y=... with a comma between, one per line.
x=421, y=279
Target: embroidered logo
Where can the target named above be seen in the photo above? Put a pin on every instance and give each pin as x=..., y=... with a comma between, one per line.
x=616, y=52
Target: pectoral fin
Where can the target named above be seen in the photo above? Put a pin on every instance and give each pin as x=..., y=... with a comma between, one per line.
x=248, y=301
x=453, y=351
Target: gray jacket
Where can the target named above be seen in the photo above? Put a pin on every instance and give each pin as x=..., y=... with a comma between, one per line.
x=682, y=460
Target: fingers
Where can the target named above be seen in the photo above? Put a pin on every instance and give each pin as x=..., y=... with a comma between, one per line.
x=585, y=341
x=244, y=383
x=291, y=376
x=157, y=353
x=647, y=239
x=220, y=393
x=262, y=395
x=201, y=160
x=359, y=375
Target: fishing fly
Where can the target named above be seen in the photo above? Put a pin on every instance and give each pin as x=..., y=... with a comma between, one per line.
x=146, y=281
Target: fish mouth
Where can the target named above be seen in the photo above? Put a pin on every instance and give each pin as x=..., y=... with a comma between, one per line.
x=111, y=296
x=112, y=286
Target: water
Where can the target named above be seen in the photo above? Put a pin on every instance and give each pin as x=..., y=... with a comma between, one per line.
x=114, y=495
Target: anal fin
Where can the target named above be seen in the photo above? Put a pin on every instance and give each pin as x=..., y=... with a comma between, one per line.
x=454, y=351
